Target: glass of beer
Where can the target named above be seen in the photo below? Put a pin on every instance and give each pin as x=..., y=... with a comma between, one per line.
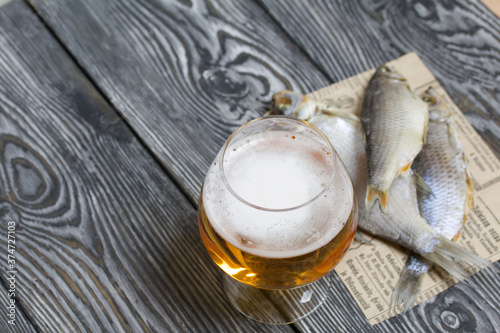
x=277, y=212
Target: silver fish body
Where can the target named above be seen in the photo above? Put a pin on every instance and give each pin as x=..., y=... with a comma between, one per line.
x=402, y=223
x=394, y=121
x=345, y=135
x=441, y=165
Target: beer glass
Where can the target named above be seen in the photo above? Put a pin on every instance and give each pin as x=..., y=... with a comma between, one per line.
x=276, y=213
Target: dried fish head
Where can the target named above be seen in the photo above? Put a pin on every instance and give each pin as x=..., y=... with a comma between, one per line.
x=293, y=104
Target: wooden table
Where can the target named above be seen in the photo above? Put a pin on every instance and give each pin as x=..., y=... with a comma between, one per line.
x=111, y=112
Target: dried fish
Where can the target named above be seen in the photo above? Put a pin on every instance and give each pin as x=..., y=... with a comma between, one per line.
x=394, y=121
x=444, y=199
x=403, y=223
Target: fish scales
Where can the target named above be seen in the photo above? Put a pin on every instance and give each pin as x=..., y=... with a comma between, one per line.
x=402, y=222
x=394, y=122
x=441, y=165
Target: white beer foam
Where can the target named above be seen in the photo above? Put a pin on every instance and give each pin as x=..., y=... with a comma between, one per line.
x=277, y=171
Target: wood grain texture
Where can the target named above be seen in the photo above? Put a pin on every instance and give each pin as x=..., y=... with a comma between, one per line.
x=184, y=74
x=460, y=43
x=105, y=241
x=4, y=2
x=21, y=322
x=471, y=306
x=458, y=40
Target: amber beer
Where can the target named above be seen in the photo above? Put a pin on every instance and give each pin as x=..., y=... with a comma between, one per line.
x=274, y=211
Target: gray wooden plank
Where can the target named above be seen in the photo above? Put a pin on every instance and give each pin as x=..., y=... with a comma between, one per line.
x=105, y=240
x=184, y=74
x=460, y=42
x=13, y=317
x=217, y=51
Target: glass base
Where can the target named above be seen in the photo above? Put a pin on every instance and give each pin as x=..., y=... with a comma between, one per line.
x=277, y=307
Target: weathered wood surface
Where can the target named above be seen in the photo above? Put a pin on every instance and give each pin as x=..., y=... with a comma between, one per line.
x=105, y=240
x=185, y=74
x=21, y=323
x=466, y=307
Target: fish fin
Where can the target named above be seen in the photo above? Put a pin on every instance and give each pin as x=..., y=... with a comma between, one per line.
x=457, y=236
x=360, y=238
x=407, y=288
x=373, y=195
x=426, y=129
x=453, y=258
x=405, y=169
x=423, y=189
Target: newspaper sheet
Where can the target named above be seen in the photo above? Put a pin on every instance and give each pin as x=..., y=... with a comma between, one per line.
x=371, y=272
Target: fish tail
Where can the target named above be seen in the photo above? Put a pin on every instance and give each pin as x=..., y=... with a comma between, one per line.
x=373, y=195
x=407, y=288
x=455, y=259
